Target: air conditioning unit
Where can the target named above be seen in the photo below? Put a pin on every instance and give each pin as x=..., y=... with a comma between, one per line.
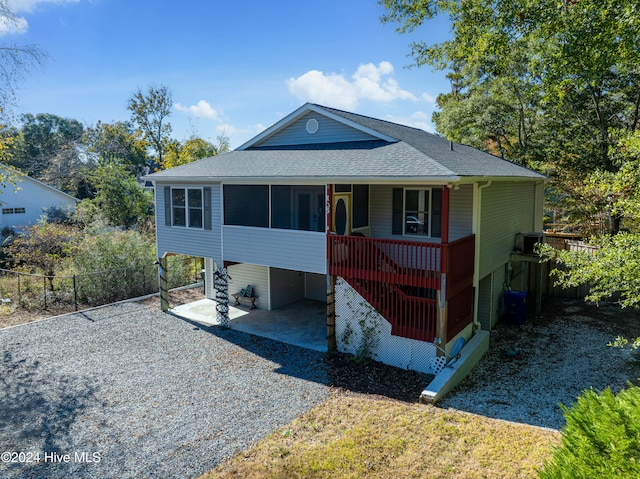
x=526, y=242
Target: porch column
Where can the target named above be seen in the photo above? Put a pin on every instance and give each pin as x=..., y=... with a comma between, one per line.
x=444, y=221
x=329, y=208
x=221, y=283
x=443, y=303
x=163, y=282
x=443, y=307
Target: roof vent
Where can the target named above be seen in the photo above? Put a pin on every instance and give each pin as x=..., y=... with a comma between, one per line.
x=312, y=126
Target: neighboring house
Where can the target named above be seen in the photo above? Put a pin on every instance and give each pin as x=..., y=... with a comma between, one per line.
x=23, y=204
x=407, y=234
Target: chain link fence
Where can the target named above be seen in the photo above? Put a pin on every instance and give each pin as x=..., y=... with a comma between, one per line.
x=80, y=291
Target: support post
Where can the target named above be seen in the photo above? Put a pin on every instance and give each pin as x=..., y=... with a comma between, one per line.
x=163, y=283
x=75, y=293
x=444, y=221
x=441, y=326
x=221, y=283
x=331, y=314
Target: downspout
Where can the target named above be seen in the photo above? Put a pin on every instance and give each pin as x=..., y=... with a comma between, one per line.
x=476, y=227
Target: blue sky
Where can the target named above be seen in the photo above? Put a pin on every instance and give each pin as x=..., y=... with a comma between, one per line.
x=233, y=67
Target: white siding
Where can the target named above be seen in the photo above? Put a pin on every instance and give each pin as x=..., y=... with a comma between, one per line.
x=507, y=209
x=34, y=198
x=329, y=131
x=190, y=241
x=286, y=287
x=241, y=275
x=460, y=212
x=287, y=249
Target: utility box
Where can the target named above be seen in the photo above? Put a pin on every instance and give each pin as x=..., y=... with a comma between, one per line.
x=526, y=242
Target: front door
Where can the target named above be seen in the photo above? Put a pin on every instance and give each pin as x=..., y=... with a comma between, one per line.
x=342, y=214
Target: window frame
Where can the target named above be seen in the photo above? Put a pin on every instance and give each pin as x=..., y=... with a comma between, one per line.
x=187, y=208
x=428, y=212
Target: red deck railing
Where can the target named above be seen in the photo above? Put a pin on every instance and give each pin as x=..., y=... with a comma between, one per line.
x=401, y=278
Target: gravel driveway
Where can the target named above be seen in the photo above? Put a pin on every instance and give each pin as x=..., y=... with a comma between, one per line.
x=127, y=391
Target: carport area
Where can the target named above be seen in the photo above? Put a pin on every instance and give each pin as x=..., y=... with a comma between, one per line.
x=302, y=323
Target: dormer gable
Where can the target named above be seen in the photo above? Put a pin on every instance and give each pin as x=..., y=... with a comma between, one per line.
x=311, y=124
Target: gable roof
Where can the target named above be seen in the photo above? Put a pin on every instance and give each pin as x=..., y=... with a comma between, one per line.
x=25, y=177
x=390, y=152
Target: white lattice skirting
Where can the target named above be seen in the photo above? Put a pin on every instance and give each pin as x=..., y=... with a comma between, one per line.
x=362, y=331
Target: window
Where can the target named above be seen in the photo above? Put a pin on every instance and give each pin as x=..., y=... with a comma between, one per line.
x=417, y=212
x=246, y=205
x=12, y=211
x=360, y=206
x=298, y=207
x=187, y=207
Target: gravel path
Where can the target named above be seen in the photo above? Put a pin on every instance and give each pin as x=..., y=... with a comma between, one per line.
x=557, y=358
x=129, y=392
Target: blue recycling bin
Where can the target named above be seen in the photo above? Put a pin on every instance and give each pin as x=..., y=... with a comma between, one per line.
x=514, y=304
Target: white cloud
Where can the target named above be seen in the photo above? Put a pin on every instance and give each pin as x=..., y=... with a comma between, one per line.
x=429, y=98
x=369, y=82
x=418, y=119
x=16, y=25
x=201, y=110
x=17, y=6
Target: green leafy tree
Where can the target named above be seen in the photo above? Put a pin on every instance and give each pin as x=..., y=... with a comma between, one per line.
x=122, y=201
x=117, y=143
x=543, y=83
x=149, y=113
x=48, y=147
x=191, y=150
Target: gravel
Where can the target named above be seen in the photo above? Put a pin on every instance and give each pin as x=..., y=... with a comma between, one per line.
x=155, y=396
x=556, y=358
x=127, y=391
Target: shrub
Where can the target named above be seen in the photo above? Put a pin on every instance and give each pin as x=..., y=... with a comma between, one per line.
x=601, y=437
x=124, y=260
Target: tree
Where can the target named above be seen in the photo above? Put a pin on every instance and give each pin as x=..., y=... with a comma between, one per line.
x=601, y=438
x=119, y=196
x=149, y=112
x=191, y=150
x=117, y=143
x=538, y=82
x=15, y=60
x=43, y=247
x=47, y=143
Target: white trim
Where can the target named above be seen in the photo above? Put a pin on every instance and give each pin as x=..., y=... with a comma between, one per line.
x=186, y=207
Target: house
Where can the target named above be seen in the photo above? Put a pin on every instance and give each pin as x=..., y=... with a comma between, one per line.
x=23, y=204
x=406, y=236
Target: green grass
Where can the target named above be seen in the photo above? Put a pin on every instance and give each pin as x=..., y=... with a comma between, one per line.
x=353, y=437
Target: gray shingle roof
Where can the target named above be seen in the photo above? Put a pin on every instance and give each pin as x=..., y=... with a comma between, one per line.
x=416, y=154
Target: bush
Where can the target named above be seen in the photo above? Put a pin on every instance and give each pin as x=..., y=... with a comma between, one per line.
x=125, y=262
x=601, y=438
